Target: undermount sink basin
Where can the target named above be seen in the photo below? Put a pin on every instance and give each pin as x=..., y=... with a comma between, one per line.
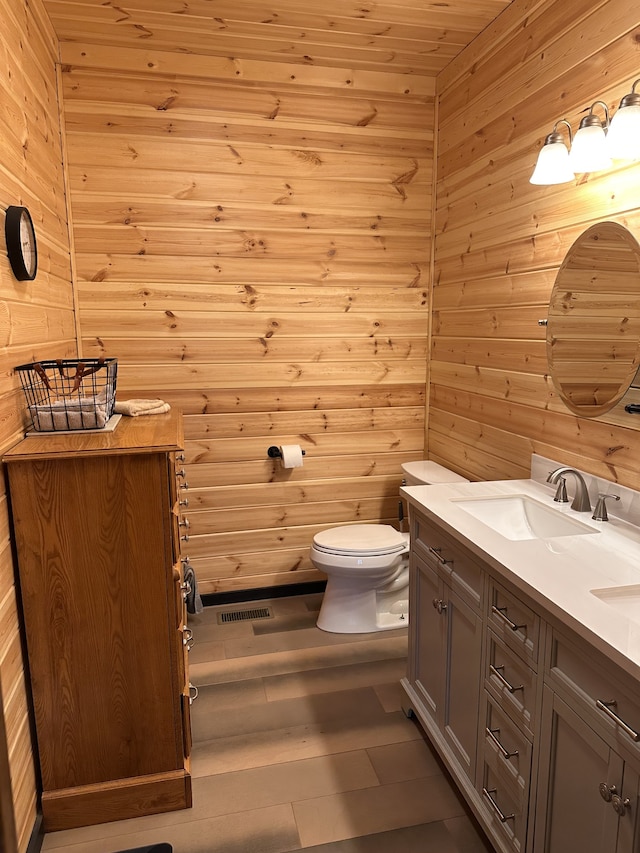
x=624, y=599
x=521, y=517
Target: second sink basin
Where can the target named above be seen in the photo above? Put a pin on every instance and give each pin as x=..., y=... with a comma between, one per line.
x=522, y=517
x=624, y=599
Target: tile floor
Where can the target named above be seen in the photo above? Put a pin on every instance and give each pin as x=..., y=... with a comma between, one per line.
x=299, y=743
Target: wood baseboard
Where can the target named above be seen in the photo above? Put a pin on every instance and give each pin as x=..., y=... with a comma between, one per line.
x=118, y=799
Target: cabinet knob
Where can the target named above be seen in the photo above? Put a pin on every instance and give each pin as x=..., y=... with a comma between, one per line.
x=184, y=485
x=607, y=791
x=193, y=693
x=620, y=806
x=184, y=523
x=180, y=457
x=184, y=502
x=439, y=605
x=181, y=473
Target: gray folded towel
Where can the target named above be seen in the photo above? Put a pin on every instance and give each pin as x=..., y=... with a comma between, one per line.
x=192, y=598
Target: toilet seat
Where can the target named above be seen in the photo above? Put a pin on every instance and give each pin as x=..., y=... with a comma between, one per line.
x=361, y=540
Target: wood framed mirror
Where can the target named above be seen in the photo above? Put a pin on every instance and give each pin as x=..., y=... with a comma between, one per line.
x=593, y=326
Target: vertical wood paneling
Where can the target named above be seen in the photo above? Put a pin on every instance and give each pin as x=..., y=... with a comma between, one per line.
x=500, y=240
x=258, y=255
x=36, y=321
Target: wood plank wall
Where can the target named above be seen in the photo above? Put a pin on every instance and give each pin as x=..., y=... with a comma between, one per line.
x=255, y=250
x=36, y=321
x=500, y=240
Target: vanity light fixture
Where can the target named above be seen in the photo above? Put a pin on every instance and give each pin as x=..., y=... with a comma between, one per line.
x=589, y=150
x=596, y=144
x=553, y=160
x=623, y=139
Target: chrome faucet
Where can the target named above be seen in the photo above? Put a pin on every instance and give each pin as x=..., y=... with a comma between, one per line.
x=581, y=498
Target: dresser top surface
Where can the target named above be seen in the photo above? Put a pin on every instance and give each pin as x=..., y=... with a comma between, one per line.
x=144, y=434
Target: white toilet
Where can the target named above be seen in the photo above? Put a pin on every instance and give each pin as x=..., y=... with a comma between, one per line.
x=367, y=567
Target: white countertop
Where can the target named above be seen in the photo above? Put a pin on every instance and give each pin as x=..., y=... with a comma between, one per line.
x=556, y=573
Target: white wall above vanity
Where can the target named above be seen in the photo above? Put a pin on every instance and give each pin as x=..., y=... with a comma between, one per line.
x=527, y=682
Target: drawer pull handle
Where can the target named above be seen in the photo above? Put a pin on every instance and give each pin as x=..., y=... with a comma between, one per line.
x=186, y=587
x=604, y=706
x=491, y=734
x=501, y=815
x=184, y=538
x=437, y=553
x=193, y=696
x=510, y=687
x=184, y=502
x=184, y=523
x=502, y=613
x=181, y=473
x=180, y=457
x=439, y=605
x=184, y=485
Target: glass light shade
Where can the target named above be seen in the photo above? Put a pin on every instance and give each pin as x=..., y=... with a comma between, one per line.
x=623, y=139
x=553, y=165
x=589, y=152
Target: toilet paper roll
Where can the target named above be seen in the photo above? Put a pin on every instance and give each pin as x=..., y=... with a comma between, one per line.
x=291, y=455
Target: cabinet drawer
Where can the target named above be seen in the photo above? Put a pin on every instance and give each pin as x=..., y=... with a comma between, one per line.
x=593, y=687
x=507, y=751
x=505, y=816
x=454, y=563
x=514, y=684
x=514, y=622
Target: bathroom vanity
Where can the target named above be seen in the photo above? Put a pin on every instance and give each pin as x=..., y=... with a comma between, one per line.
x=524, y=664
x=97, y=529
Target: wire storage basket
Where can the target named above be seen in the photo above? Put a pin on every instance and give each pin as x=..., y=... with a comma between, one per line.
x=69, y=394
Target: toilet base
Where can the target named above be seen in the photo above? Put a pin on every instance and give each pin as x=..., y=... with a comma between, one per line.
x=347, y=609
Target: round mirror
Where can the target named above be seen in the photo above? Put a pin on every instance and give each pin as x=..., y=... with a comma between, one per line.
x=593, y=328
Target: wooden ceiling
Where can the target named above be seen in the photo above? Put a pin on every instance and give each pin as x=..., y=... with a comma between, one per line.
x=398, y=36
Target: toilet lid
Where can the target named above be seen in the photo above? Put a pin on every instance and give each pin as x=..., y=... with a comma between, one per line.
x=361, y=539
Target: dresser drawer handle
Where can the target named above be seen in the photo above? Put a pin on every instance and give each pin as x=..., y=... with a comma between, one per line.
x=184, y=523
x=193, y=695
x=501, y=815
x=502, y=613
x=491, y=734
x=437, y=553
x=184, y=485
x=510, y=687
x=439, y=605
x=180, y=457
x=604, y=706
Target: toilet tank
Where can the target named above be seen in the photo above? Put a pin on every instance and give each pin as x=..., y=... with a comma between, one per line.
x=427, y=473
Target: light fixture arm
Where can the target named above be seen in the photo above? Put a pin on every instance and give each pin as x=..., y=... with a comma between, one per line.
x=633, y=98
x=592, y=120
x=556, y=136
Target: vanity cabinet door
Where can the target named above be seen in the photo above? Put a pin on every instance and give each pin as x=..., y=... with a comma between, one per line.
x=447, y=662
x=587, y=795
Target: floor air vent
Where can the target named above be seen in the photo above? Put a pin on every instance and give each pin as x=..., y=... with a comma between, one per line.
x=243, y=615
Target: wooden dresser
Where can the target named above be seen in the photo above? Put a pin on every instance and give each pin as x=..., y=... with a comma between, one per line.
x=97, y=531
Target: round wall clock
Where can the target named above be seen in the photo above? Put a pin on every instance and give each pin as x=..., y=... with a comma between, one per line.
x=22, y=249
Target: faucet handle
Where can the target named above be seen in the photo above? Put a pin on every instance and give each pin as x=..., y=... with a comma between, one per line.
x=561, y=492
x=600, y=512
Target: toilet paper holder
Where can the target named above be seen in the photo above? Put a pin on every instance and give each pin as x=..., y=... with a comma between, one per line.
x=275, y=453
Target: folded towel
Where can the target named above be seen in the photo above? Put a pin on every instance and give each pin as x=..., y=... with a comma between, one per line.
x=135, y=408
x=192, y=598
x=70, y=413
